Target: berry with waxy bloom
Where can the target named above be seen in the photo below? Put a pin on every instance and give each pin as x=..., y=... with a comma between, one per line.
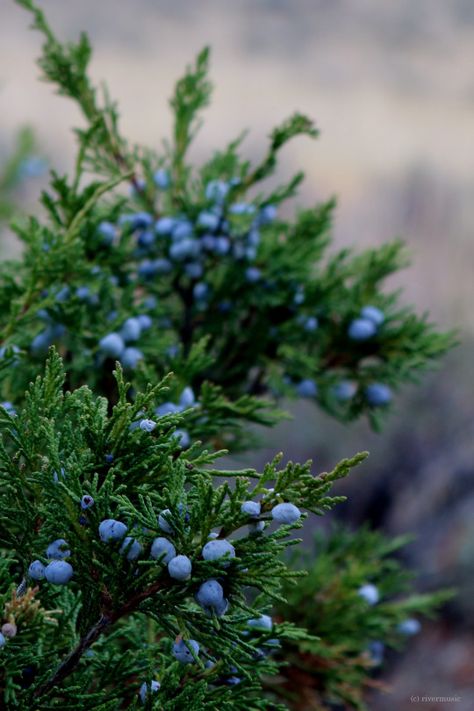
x=147, y=425
x=251, y=508
x=409, y=627
x=58, y=572
x=307, y=388
x=264, y=622
x=112, y=345
x=378, y=394
x=36, y=570
x=112, y=530
x=182, y=651
x=152, y=687
x=286, y=513
x=218, y=548
x=58, y=549
x=369, y=593
x=86, y=502
x=210, y=594
x=162, y=549
x=131, y=548
x=373, y=314
x=361, y=329
x=131, y=357
x=180, y=567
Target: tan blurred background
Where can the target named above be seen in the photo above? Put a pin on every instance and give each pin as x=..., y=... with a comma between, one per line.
x=391, y=86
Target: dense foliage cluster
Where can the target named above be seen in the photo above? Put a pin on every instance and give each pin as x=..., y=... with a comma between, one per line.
x=134, y=571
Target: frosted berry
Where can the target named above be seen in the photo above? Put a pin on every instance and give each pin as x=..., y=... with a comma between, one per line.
x=36, y=570
x=251, y=508
x=112, y=345
x=180, y=567
x=285, y=513
x=182, y=651
x=9, y=630
x=378, y=394
x=307, y=388
x=345, y=390
x=58, y=549
x=58, y=572
x=112, y=530
x=131, y=548
x=216, y=191
x=210, y=594
x=361, y=329
x=373, y=314
x=409, y=627
x=3, y=640
x=252, y=274
x=163, y=521
x=208, y=220
x=86, y=502
x=214, y=550
x=187, y=398
x=152, y=687
x=184, y=440
x=145, y=323
x=162, y=179
x=165, y=225
x=107, y=232
x=131, y=329
x=369, y=593
x=131, y=357
x=147, y=425
x=376, y=651
x=163, y=550
x=264, y=622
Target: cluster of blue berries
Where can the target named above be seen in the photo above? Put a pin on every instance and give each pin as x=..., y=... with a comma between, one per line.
x=187, y=400
x=58, y=571
x=366, y=325
x=117, y=344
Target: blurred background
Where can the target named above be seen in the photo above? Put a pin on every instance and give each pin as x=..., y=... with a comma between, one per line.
x=391, y=86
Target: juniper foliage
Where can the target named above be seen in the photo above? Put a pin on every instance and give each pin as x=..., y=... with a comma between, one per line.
x=92, y=641
x=195, y=271
x=243, y=302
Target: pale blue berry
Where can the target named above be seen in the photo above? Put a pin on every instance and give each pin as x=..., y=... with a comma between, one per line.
x=376, y=651
x=214, y=550
x=373, y=314
x=163, y=550
x=264, y=622
x=183, y=229
x=256, y=527
x=8, y=406
x=112, y=345
x=131, y=357
x=187, y=398
x=194, y=270
x=311, y=324
x=222, y=246
x=180, y=567
x=369, y=593
x=165, y=225
x=216, y=191
x=345, y=390
x=242, y=208
x=86, y=502
x=107, y=231
x=200, y=291
x=152, y=687
x=360, y=329
x=233, y=680
x=167, y=408
x=267, y=214
x=58, y=549
x=253, y=274
x=162, y=179
x=182, y=250
x=112, y=530
x=182, y=651
x=146, y=239
x=286, y=513
x=184, y=440
x=131, y=548
x=409, y=627
x=131, y=329
x=208, y=220
x=163, y=521
x=378, y=394
x=58, y=572
x=145, y=321
x=3, y=640
x=251, y=508
x=36, y=570
x=210, y=594
x=147, y=425
x=307, y=388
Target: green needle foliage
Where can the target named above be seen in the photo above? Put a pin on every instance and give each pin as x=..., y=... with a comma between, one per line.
x=157, y=312
x=349, y=635
x=243, y=302
x=92, y=642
